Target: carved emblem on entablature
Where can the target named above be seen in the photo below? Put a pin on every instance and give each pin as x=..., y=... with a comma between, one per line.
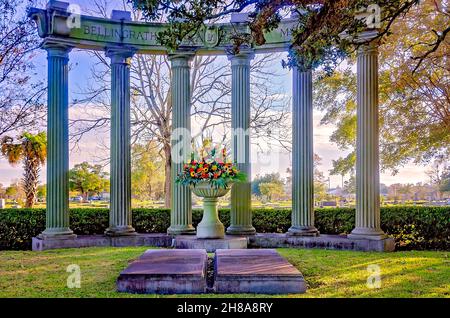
x=210, y=36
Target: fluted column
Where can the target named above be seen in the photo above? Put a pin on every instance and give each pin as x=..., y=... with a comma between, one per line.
x=181, y=201
x=241, y=214
x=302, y=154
x=367, y=151
x=120, y=207
x=57, y=213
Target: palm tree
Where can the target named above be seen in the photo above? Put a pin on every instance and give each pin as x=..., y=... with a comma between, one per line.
x=31, y=150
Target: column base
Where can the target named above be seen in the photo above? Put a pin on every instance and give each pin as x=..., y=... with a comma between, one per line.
x=367, y=233
x=181, y=229
x=303, y=231
x=241, y=230
x=120, y=231
x=57, y=233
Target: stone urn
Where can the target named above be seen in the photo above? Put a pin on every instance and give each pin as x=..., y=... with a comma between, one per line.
x=210, y=227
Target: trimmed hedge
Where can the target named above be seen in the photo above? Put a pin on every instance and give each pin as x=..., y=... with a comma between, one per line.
x=413, y=227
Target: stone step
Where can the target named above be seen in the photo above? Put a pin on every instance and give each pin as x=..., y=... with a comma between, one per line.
x=144, y=239
x=210, y=245
x=166, y=272
x=260, y=240
x=258, y=271
x=324, y=241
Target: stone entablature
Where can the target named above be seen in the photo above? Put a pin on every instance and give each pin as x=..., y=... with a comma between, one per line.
x=98, y=33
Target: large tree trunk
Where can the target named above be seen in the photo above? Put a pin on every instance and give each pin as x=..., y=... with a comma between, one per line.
x=167, y=175
x=150, y=194
x=30, y=181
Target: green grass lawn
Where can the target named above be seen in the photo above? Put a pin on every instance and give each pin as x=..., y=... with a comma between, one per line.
x=328, y=273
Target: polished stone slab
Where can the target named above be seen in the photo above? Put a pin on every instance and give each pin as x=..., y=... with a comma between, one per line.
x=256, y=271
x=210, y=245
x=334, y=242
x=147, y=239
x=166, y=271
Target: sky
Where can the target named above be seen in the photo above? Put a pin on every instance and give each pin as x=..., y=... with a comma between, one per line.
x=92, y=147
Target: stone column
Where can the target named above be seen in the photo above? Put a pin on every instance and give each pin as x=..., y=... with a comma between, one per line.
x=57, y=213
x=120, y=207
x=181, y=201
x=367, y=156
x=302, y=155
x=241, y=214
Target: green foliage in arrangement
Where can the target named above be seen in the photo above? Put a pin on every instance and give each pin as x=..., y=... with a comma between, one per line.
x=412, y=227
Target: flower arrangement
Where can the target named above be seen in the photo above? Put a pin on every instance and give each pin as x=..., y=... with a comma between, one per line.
x=210, y=167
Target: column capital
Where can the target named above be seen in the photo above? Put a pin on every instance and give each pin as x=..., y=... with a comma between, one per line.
x=370, y=48
x=181, y=58
x=242, y=58
x=120, y=55
x=362, y=37
x=369, y=35
x=367, y=41
x=301, y=69
x=56, y=49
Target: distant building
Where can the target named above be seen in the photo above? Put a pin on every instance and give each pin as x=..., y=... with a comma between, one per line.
x=105, y=196
x=328, y=203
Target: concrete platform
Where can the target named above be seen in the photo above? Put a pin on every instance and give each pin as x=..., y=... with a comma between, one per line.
x=166, y=272
x=210, y=245
x=262, y=240
x=334, y=242
x=257, y=271
x=150, y=239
